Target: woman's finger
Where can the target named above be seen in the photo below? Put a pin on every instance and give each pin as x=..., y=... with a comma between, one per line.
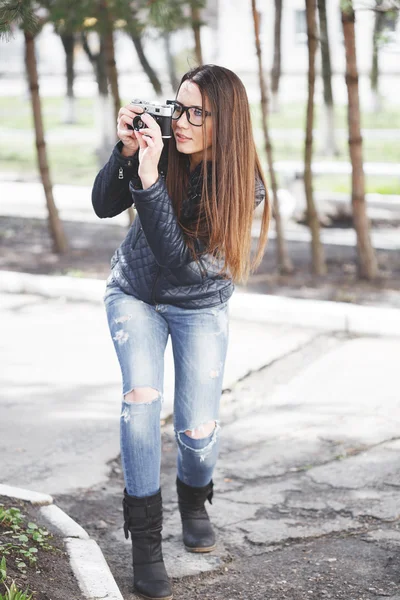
x=149, y=132
x=125, y=132
x=136, y=108
x=130, y=110
x=142, y=143
x=149, y=142
x=127, y=119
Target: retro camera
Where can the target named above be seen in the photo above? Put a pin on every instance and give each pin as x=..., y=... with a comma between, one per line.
x=162, y=113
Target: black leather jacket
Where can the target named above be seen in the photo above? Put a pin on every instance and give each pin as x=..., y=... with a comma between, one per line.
x=153, y=263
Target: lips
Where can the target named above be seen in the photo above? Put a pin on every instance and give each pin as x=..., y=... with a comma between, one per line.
x=181, y=138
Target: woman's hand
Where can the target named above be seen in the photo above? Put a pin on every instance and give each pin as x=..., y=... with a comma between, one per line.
x=126, y=115
x=150, y=148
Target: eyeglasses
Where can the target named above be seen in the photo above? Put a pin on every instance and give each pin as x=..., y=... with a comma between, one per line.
x=194, y=114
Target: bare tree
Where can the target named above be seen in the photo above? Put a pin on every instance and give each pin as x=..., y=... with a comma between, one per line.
x=173, y=77
x=55, y=225
x=111, y=69
x=195, y=6
x=276, y=67
x=330, y=147
x=169, y=16
x=107, y=32
x=104, y=114
x=368, y=266
x=23, y=14
x=283, y=259
x=135, y=29
x=68, y=41
x=147, y=68
x=318, y=255
x=378, y=27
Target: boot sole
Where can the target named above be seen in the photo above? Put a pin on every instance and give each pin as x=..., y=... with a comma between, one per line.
x=150, y=597
x=200, y=550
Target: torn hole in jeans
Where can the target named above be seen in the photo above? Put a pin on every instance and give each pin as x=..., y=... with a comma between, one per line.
x=184, y=441
x=128, y=404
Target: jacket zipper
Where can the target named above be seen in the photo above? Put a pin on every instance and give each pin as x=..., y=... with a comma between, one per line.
x=153, y=291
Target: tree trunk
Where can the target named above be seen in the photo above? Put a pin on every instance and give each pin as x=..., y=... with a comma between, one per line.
x=330, y=147
x=196, y=24
x=318, y=255
x=276, y=67
x=105, y=124
x=109, y=54
x=147, y=68
x=283, y=259
x=170, y=61
x=55, y=225
x=376, y=103
x=68, y=41
x=368, y=265
x=112, y=73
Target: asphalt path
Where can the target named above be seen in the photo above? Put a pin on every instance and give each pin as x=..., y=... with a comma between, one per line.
x=60, y=389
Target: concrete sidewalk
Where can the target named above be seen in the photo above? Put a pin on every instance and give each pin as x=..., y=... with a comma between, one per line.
x=258, y=308
x=306, y=500
x=306, y=490
x=62, y=372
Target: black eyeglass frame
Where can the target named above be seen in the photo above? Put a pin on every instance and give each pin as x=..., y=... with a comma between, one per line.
x=186, y=110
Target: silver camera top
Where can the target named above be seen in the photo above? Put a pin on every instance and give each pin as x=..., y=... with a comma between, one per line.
x=155, y=108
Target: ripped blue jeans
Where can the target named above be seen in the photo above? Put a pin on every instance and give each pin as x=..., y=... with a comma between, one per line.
x=199, y=340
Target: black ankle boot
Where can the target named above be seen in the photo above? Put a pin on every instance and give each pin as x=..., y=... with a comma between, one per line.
x=198, y=534
x=143, y=518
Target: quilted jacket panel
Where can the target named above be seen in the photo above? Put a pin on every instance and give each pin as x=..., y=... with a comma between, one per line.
x=153, y=262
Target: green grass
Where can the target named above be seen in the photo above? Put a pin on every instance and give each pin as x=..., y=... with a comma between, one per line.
x=17, y=112
x=373, y=150
x=373, y=185
x=69, y=164
x=293, y=116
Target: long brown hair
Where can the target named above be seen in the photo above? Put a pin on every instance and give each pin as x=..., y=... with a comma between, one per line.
x=227, y=202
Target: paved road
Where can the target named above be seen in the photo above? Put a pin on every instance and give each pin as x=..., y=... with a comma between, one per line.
x=60, y=388
x=309, y=467
x=307, y=500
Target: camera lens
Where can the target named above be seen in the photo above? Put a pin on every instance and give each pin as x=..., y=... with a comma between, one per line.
x=138, y=123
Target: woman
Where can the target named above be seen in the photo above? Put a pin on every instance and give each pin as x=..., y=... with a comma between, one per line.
x=173, y=275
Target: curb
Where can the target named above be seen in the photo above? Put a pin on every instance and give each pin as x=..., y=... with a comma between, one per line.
x=317, y=314
x=86, y=558
x=261, y=308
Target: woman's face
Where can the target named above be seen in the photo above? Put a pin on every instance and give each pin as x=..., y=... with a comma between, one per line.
x=188, y=137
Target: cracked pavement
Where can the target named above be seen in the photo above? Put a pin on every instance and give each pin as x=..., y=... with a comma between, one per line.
x=307, y=501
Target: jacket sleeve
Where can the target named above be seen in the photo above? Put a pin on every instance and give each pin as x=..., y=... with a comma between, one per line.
x=160, y=225
x=110, y=193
